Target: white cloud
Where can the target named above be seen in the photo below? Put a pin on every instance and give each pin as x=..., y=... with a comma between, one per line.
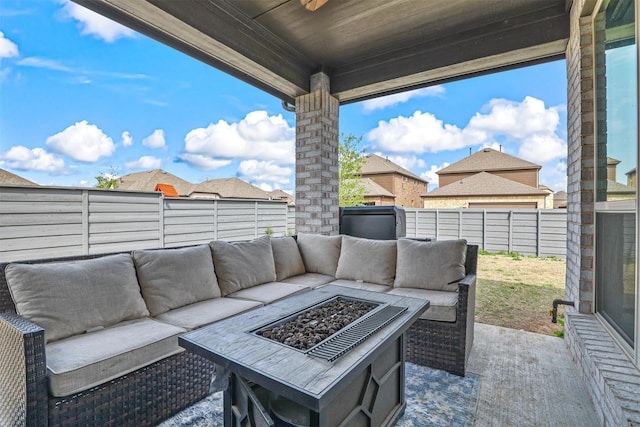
x=528, y=124
x=50, y=64
x=543, y=148
x=407, y=162
x=37, y=159
x=398, y=98
x=155, y=140
x=263, y=171
x=8, y=49
x=202, y=162
x=518, y=120
x=95, y=24
x=127, y=140
x=82, y=142
x=419, y=133
x=264, y=186
x=258, y=135
x=144, y=162
x=431, y=176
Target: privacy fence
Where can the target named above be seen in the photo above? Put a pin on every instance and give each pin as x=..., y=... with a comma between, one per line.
x=51, y=222
x=43, y=222
x=539, y=232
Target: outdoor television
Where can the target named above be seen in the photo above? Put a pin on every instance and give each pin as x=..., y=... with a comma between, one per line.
x=373, y=222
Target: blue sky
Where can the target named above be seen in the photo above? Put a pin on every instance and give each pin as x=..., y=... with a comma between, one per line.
x=81, y=96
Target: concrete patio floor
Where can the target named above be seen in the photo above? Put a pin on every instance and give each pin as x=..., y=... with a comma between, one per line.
x=527, y=379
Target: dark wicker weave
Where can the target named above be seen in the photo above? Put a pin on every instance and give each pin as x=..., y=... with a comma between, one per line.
x=446, y=345
x=142, y=398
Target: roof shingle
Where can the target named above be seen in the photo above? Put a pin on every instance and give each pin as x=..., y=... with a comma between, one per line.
x=486, y=160
x=375, y=164
x=484, y=184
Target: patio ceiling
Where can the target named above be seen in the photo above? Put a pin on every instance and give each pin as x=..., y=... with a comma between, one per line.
x=367, y=47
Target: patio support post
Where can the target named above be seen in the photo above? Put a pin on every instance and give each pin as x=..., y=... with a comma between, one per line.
x=317, y=159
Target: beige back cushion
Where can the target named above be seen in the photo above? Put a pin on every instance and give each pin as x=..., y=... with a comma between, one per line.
x=320, y=253
x=242, y=265
x=436, y=266
x=287, y=258
x=172, y=278
x=368, y=260
x=69, y=298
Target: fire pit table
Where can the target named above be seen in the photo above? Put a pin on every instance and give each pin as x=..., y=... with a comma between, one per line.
x=354, y=377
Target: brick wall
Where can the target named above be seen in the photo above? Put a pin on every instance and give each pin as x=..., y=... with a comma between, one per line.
x=408, y=191
x=580, y=160
x=463, y=202
x=317, y=159
x=610, y=377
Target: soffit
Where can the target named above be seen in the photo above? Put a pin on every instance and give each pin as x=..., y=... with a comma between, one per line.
x=368, y=48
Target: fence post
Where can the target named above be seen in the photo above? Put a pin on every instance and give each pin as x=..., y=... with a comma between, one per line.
x=538, y=232
x=460, y=223
x=215, y=220
x=484, y=229
x=85, y=222
x=255, y=218
x=437, y=221
x=161, y=218
x=510, y=232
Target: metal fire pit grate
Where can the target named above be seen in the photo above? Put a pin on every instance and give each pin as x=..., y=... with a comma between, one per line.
x=355, y=334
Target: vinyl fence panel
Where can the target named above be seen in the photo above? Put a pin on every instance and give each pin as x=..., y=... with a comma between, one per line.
x=526, y=231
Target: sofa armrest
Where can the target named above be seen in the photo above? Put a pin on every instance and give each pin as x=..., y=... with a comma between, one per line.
x=467, y=308
x=23, y=372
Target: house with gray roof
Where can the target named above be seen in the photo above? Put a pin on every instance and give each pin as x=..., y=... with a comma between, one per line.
x=228, y=188
x=490, y=179
x=7, y=177
x=405, y=187
x=149, y=180
x=224, y=188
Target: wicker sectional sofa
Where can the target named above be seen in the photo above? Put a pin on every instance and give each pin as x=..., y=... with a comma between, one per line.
x=92, y=340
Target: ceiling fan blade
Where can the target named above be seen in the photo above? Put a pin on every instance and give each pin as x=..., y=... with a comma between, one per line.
x=313, y=5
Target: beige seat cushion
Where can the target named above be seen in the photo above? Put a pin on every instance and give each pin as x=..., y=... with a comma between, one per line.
x=287, y=258
x=443, y=304
x=202, y=313
x=269, y=292
x=320, y=253
x=437, y=266
x=80, y=362
x=367, y=260
x=172, y=278
x=358, y=284
x=241, y=265
x=69, y=298
x=310, y=280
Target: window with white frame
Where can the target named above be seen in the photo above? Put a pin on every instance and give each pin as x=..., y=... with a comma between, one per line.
x=616, y=104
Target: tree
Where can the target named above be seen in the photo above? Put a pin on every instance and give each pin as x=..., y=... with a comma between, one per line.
x=108, y=180
x=350, y=159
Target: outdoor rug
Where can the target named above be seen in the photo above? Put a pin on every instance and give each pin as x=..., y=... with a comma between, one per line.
x=434, y=398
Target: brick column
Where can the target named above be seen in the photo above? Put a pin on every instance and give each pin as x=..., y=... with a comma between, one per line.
x=317, y=159
x=580, y=160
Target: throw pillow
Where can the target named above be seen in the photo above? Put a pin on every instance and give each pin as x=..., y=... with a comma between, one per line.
x=286, y=256
x=172, y=278
x=241, y=265
x=372, y=261
x=69, y=298
x=320, y=253
x=436, y=266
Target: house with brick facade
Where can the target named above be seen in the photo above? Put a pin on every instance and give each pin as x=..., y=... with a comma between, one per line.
x=490, y=179
x=387, y=183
